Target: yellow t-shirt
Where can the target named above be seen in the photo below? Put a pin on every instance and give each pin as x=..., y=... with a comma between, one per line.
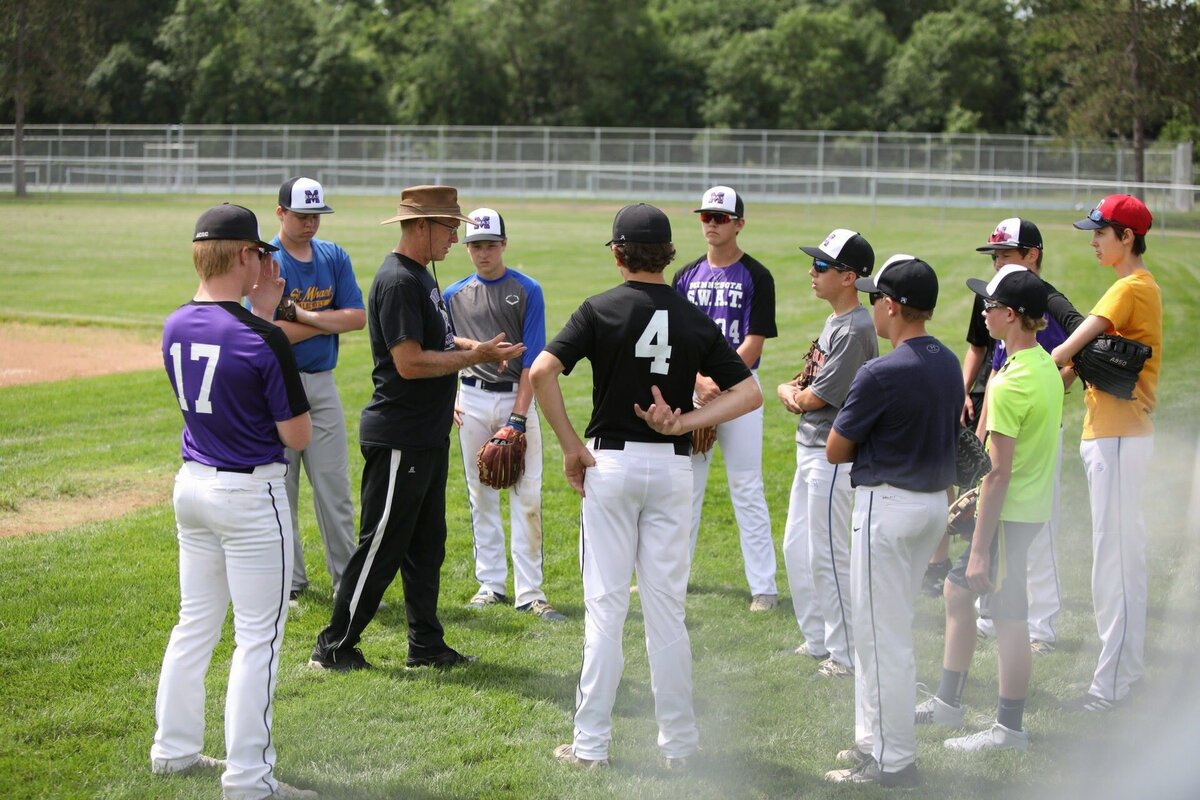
x=1133, y=306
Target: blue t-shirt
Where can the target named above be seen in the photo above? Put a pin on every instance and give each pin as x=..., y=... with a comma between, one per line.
x=327, y=282
x=234, y=377
x=902, y=412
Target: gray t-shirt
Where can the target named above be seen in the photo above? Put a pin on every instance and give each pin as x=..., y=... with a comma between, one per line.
x=845, y=343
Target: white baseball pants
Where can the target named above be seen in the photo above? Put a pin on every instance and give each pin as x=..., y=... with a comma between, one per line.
x=326, y=462
x=1116, y=470
x=483, y=414
x=895, y=533
x=740, y=440
x=234, y=544
x=635, y=517
x=816, y=552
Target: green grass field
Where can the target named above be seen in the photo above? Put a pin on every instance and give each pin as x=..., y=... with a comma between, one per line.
x=85, y=612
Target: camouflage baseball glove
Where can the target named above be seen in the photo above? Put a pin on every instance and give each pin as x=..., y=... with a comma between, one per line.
x=501, y=460
x=960, y=521
x=971, y=460
x=1112, y=364
x=811, y=364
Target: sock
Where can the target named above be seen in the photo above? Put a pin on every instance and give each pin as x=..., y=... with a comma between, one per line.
x=950, y=688
x=1010, y=712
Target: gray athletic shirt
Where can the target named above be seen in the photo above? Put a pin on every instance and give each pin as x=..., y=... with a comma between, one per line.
x=845, y=343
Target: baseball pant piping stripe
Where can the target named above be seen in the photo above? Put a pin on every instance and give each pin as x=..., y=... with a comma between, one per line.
x=1121, y=555
x=376, y=540
x=583, y=647
x=470, y=505
x=285, y=588
x=874, y=629
x=833, y=562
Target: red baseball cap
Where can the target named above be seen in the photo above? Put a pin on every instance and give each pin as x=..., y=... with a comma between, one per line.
x=1123, y=209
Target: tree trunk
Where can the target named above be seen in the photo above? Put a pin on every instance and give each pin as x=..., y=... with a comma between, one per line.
x=19, y=93
x=1135, y=74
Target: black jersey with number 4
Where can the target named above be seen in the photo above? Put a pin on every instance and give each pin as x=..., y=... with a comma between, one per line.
x=639, y=335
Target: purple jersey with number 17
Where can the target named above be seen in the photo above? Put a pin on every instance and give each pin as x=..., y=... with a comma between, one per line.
x=234, y=377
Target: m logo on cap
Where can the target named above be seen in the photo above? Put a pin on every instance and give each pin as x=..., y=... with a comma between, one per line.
x=717, y=197
x=312, y=197
x=484, y=222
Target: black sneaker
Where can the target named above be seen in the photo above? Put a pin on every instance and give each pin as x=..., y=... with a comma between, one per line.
x=447, y=658
x=1092, y=703
x=935, y=578
x=342, y=660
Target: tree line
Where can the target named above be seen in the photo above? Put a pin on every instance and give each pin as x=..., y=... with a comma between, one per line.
x=1095, y=68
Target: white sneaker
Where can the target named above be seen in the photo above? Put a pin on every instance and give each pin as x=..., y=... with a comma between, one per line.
x=936, y=712
x=201, y=763
x=285, y=791
x=834, y=669
x=809, y=650
x=996, y=737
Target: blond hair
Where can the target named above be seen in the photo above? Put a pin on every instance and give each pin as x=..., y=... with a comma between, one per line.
x=213, y=258
x=909, y=314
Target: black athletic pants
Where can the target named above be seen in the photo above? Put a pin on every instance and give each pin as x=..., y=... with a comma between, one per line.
x=403, y=529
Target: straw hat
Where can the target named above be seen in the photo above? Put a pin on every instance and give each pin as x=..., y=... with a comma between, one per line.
x=428, y=201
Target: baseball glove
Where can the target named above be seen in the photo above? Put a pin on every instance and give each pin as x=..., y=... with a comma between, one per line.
x=960, y=521
x=1112, y=364
x=971, y=460
x=501, y=460
x=811, y=364
x=703, y=439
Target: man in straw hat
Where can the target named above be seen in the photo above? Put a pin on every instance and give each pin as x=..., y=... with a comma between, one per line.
x=405, y=437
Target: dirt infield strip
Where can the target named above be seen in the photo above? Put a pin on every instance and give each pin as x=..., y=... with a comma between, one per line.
x=40, y=353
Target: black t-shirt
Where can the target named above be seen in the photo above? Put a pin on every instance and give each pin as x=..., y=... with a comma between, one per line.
x=639, y=335
x=405, y=303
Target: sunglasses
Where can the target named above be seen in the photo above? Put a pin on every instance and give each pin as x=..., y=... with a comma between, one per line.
x=821, y=266
x=715, y=217
x=875, y=297
x=255, y=249
x=991, y=305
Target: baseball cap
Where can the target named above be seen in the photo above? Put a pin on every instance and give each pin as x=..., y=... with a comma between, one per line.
x=906, y=279
x=303, y=196
x=847, y=248
x=723, y=200
x=228, y=221
x=487, y=227
x=1012, y=233
x=640, y=223
x=1016, y=287
x=1123, y=209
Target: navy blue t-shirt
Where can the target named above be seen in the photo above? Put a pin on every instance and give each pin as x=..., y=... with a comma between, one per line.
x=902, y=411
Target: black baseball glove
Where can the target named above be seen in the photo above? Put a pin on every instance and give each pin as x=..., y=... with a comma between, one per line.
x=971, y=460
x=1112, y=364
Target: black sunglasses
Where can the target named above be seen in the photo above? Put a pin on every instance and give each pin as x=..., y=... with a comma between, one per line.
x=822, y=266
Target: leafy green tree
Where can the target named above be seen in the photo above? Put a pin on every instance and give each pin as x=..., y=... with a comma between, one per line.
x=957, y=71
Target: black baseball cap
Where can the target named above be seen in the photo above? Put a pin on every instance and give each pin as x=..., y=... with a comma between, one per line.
x=906, y=279
x=1016, y=287
x=228, y=221
x=642, y=224
x=303, y=196
x=1012, y=233
x=846, y=248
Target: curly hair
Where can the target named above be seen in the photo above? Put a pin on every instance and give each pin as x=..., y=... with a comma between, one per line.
x=639, y=257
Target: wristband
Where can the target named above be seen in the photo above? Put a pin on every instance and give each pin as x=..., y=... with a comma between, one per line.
x=517, y=422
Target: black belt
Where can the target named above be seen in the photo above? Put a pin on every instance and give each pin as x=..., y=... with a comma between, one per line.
x=239, y=470
x=682, y=448
x=489, y=387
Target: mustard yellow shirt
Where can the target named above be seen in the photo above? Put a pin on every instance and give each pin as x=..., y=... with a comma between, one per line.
x=1133, y=306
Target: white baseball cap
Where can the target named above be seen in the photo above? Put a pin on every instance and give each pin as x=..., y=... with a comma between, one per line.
x=723, y=200
x=303, y=196
x=488, y=226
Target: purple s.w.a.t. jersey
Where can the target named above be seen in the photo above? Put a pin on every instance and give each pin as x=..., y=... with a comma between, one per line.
x=740, y=298
x=234, y=377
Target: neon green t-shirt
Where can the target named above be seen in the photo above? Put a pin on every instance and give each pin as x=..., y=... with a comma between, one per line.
x=1025, y=402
